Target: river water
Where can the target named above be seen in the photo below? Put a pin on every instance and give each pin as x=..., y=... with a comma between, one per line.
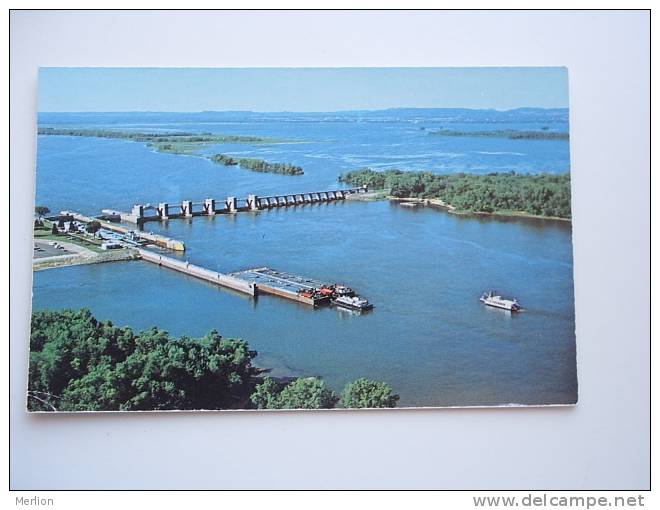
x=429, y=337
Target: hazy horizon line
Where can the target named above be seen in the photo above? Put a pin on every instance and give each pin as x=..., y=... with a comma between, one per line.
x=318, y=111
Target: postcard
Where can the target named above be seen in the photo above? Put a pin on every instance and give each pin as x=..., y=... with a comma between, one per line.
x=302, y=238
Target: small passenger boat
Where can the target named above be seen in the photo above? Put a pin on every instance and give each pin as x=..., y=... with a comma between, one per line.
x=491, y=299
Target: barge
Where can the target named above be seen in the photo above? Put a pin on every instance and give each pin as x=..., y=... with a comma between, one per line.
x=295, y=288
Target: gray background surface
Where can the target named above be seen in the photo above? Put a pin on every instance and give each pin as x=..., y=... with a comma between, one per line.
x=601, y=443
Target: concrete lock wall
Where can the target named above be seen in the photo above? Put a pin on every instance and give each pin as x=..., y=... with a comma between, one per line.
x=204, y=274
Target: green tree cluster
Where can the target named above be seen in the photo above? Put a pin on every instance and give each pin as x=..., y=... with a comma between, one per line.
x=313, y=393
x=366, y=393
x=258, y=165
x=540, y=194
x=78, y=363
x=93, y=227
x=41, y=211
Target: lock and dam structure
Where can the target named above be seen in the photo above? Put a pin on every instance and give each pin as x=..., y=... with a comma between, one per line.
x=164, y=211
x=249, y=282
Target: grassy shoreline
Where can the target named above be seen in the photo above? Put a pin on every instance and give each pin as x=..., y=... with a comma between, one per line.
x=80, y=250
x=189, y=144
x=174, y=137
x=80, y=260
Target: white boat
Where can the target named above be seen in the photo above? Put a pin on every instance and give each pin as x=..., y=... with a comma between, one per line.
x=352, y=302
x=342, y=290
x=491, y=299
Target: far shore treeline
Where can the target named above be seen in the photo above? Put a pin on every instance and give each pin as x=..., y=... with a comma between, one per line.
x=547, y=195
x=184, y=143
x=179, y=136
x=511, y=134
x=78, y=363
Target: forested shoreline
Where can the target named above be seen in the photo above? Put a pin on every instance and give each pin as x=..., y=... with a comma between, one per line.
x=175, y=137
x=506, y=133
x=190, y=144
x=78, y=363
x=547, y=195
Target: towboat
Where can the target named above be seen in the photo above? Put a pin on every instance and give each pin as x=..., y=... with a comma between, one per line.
x=342, y=290
x=491, y=299
x=352, y=302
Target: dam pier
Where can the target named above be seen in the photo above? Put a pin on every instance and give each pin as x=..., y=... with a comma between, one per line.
x=164, y=211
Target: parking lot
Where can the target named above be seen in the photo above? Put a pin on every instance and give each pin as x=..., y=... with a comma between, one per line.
x=42, y=249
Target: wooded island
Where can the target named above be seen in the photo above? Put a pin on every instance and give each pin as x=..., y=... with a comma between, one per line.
x=547, y=195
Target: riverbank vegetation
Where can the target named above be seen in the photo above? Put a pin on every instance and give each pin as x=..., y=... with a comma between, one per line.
x=547, y=195
x=258, y=165
x=78, y=363
x=174, y=137
x=188, y=144
x=313, y=393
x=506, y=133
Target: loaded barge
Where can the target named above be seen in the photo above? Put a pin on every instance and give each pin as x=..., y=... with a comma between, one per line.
x=298, y=288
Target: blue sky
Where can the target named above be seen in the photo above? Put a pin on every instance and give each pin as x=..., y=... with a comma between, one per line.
x=301, y=89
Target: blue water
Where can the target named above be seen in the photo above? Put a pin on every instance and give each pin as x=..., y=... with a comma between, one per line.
x=428, y=337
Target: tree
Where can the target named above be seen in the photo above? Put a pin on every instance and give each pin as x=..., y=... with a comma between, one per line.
x=41, y=211
x=307, y=393
x=93, y=227
x=266, y=394
x=55, y=230
x=366, y=393
x=303, y=393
